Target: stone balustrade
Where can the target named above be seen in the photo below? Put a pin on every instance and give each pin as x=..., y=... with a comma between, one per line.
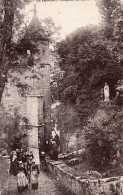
x=79, y=186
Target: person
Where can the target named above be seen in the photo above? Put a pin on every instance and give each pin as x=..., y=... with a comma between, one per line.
x=29, y=164
x=14, y=157
x=24, y=160
x=22, y=181
x=11, y=156
x=27, y=156
x=43, y=161
x=55, y=152
x=31, y=154
x=11, y=163
x=21, y=154
x=34, y=176
x=18, y=154
x=14, y=164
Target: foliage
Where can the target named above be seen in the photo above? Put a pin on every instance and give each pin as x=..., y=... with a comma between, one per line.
x=110, y=10
x=70, y=126
x=35, y=33
x=90, y=57
x=112, y=15
x=12, y=135
x=88, y=63
x=16, y=38
x=103, y=136
x=9, y=23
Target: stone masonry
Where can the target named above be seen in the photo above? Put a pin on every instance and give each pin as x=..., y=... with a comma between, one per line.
x=28, y=105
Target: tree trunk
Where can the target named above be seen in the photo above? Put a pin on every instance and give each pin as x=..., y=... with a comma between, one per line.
x=9, y=10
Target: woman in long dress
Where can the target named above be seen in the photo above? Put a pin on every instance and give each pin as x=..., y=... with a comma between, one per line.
x=34, y=176
x=14, y=164
x=22, y=181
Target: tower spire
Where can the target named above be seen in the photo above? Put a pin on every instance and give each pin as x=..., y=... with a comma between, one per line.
x=35, y=10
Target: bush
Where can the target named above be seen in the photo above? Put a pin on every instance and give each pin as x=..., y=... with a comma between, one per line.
x=12, y=134
x=103, y=137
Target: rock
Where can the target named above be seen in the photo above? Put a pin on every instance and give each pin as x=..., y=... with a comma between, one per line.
x=114, y=162
x=81, y=152
x=73, y=161
x=63, y=156
x=75, y=154
x=93, y=174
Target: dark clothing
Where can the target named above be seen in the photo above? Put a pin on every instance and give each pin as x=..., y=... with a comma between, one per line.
x=21, y=156
x=14, y=168
x=24, y=158
x=22, y=169
x=54, y=155
x=11, y=157
x=35, y=186
x=18, y=156
x=29, y=164
x=42, y=157
x=43, y=161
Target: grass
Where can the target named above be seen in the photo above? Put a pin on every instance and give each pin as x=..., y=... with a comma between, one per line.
x=3, y=173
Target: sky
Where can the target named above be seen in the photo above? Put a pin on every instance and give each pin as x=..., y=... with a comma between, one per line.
x=70, y=15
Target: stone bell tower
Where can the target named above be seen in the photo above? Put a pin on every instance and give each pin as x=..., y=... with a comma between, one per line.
x=39, y=99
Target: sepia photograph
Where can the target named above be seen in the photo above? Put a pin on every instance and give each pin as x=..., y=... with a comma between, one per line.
x=61, y=97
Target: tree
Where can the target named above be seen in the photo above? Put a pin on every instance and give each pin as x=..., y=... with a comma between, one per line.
x=103, y=138
x=10, y=20
x=12, y=134
x=112, y=15
x=88, y=63
x=13, y=49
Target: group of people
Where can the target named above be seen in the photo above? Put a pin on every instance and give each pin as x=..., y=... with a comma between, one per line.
x=23, y=165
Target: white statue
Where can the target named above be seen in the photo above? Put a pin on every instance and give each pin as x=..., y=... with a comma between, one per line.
x=106, y=93
x=28, y=52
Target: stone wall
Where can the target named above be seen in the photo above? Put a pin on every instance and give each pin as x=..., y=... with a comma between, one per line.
x=36, y=80
x=106, y=186
x=12, y=100
x=71, y=131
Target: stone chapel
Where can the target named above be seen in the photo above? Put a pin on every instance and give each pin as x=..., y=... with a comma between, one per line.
x=35, y=105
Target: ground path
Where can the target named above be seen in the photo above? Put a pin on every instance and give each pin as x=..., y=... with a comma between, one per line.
x=48, y=185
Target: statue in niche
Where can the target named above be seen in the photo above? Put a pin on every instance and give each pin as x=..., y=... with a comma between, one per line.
x=106, y=93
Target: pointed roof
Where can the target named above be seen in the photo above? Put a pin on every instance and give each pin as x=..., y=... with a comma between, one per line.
x=35, y=23
x=35, y=30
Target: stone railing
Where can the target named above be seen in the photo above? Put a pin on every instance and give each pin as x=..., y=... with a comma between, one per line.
x=106, y=186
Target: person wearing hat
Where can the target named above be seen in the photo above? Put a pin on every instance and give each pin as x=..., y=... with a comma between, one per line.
x=34, y=175
x=29, y=164
x=43, y=161
x=22, y=181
